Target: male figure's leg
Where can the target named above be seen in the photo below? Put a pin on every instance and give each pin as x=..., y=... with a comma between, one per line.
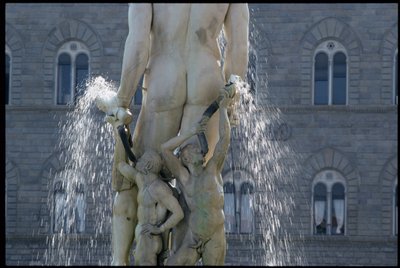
x=186, y=254
x=124, y=220
x=165, y=95
x=215, y=249
x=205, y=81
x=147, y=248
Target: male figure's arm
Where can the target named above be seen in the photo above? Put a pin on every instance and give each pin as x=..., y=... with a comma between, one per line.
x=127, y=171
x=236, y=28
x=120, y=155
x=172, y=162
x=170, y=202
x=164, y=196
x=136, y=51
x=218, y=158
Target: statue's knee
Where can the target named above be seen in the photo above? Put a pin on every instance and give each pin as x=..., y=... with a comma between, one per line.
x=145, y=258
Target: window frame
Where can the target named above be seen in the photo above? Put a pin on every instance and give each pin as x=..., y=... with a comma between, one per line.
x=252, y=69
x=9, y=54
x=326, y=47
x=395, y=210
x=138, y=96
x=239, y=178
x=73, y=53
x=251, y=196
x=395, y=68
x=329, y=182
x=235, y=228
x=60, y=186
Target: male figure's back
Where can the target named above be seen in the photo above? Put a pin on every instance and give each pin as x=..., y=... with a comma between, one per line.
x=183, y=73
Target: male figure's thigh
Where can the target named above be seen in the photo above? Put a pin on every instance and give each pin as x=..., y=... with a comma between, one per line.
x=164, y=97
x=215, y=250
x=186, y=254
x=204, y=80
x=204, y=84
x=125, y=203
x=147, y=248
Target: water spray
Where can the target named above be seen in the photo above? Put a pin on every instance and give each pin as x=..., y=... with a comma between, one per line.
x=116, y=114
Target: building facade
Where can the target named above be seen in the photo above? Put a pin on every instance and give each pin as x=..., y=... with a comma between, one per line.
x=329, y=70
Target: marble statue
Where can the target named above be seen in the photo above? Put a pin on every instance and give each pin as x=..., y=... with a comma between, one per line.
x=202, y=186
x=155, y=199
x=175, y=47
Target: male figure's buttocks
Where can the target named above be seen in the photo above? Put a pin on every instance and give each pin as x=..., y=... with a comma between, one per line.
x=183, y=75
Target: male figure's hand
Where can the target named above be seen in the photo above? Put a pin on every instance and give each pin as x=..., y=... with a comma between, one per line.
x=120, y=116
x=150, y=229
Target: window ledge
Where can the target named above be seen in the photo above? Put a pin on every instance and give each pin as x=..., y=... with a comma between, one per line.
x=330, y=238
x=38, y=108
x=39, y=237
x=286, y=108
x=342, y=238
x=334, y=108
x=10, y=107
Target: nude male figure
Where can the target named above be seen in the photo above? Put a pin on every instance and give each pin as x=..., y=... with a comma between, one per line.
x=155, y=198
x=124, y=212
x=202, y=187
x=175, y=46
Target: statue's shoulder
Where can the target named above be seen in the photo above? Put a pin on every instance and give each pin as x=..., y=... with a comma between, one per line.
x=160, y=188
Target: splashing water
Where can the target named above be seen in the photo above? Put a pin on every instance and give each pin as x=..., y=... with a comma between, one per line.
x=86, y=145
x=261, y=149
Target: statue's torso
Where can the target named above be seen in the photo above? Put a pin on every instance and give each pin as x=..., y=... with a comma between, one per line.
x=184, y=63
x=187, y=28
x=205, y=198
x=149, y=210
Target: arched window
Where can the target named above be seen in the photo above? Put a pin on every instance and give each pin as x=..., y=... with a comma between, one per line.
x=229, y=207
x=137, y=99
x=330, y=74
x=339, y=79
x=60, y=197
x=81, y=74
x=246, y=208
x=64, y=79
x=238, y=202
x=320, y=211
x=395, y=79
x=7, y=77
x=337, y=210
x=395, y=212
x=329, y=203
x=321, y=79
x=72, y=71
x=79, y=209
x=252, y=72
x=69, y=206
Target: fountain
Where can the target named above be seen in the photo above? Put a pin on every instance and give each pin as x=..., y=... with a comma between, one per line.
x=85, y=150
x=86, y=142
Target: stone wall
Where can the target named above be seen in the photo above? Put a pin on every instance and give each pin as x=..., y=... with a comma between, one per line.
x=358, y=140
